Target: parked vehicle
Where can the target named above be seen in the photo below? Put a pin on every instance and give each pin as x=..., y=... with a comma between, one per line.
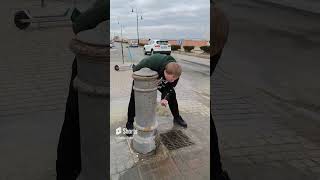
x=157, y=46
x=133, y=44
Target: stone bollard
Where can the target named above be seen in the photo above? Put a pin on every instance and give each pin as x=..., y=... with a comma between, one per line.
x=145, y=92
x=92, y=83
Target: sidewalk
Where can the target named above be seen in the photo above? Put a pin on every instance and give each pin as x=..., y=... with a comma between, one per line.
x=189, y=162
x=190, y=59
x=202, y=55
x=257, y=142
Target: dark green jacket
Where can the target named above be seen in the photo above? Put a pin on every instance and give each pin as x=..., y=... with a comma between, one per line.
x=158, y=62
x=93, y=16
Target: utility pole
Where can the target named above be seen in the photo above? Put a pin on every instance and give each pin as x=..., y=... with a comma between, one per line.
x=137, y=26
x=122, y=46
x=137, y=15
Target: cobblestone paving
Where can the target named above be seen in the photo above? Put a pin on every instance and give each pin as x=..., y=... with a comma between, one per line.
x=35, y=64
x=253, y=135
x=35, y=72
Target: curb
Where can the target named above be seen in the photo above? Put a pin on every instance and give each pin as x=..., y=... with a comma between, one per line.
x=194, y=55
x=201, y=64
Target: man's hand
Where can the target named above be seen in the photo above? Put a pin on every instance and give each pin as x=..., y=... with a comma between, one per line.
x=164, y=102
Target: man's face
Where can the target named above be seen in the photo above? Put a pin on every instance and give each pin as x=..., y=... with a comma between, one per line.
x=170, y=77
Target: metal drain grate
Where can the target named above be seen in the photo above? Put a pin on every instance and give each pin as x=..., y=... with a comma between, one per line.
x=175, y=139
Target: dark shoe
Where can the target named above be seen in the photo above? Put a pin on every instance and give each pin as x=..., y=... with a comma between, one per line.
x=65, y=172
x=180, y=122
x=129, y=126
x=225, y=176
x=66, y=177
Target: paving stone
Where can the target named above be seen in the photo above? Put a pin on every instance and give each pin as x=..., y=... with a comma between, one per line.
x=115, y=177
x=243, y=160
x=292, y=155
x=257, y=158
x=316, y=169
x=314, y=153
x=148, y=175
x=194, y=163
x=132, y=173
x=317, y=160
x=298, y=164
x=181, y=165
x=310, y=163
x=274, y=157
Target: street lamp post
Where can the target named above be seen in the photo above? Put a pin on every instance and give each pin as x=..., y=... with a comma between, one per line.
x=137, y=23
x=121, y=43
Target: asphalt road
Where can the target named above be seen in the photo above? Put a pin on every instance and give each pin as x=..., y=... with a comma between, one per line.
x=276, y=51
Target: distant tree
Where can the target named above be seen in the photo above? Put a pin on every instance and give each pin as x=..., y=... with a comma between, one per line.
x=175, y=47
x=188, y=48
x=205, y=49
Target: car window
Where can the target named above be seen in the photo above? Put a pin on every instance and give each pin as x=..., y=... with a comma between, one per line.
x=162, y=42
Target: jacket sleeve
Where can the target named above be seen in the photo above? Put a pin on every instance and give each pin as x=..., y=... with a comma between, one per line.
x=143, y=63
x=170, y=90
x=91, y=17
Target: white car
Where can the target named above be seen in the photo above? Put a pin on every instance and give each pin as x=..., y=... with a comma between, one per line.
x=157, y=46
x=133, y=44
x=111, y=44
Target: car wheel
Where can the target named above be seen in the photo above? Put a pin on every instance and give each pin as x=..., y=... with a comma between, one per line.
x=116, y=67
x=152, y=52
x=21, y=15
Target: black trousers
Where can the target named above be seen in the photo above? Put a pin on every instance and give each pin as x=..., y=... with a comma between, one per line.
x=173, y=104
x=68, y=164
x=215, y=158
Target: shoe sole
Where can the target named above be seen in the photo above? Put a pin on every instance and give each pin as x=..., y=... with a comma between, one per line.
x=179, y=125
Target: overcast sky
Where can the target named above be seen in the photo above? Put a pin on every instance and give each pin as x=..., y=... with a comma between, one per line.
x=166, y=19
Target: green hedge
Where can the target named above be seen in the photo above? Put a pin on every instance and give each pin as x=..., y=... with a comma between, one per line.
x=205, y=49
x=188, y=48
x=175, y=47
